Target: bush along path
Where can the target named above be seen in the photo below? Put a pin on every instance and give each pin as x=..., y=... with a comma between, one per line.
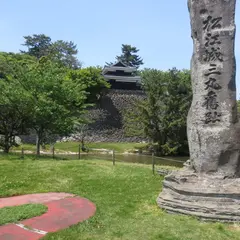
x=64, y=210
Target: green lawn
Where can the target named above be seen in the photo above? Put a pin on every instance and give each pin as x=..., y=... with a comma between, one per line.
x=18, y=213
x=73, y=146
x=125, y=196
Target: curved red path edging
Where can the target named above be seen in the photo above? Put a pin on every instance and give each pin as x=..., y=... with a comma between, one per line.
x=64, y=210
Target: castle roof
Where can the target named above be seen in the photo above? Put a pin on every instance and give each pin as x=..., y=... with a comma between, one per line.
x=118, y=66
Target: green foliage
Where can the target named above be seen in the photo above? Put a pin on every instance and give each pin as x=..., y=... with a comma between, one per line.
x=62, y=52
x=162, y=116
x=133, y=119
x=43, y=95
x=129, y=56
x=238, y=106
x=92, y=80
x=19, y=213
x=8, y=61
x=65, y=53
x=58, y=101
x=38, y=45
x=38, y=95
x=119, y=147
x=15, y=102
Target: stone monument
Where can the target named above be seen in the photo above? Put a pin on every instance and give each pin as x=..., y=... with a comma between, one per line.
x=209, y=185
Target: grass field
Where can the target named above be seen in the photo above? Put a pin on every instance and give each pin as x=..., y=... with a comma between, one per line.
x=73, y=146
x=125, y=196
x=18, y=213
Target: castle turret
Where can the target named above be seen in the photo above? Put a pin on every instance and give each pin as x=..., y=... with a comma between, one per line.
x=122, y=76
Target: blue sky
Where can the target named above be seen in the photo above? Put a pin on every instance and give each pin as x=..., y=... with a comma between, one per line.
x=159, y=28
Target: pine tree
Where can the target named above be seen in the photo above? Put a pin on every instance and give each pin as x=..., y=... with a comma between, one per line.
x=129, y=56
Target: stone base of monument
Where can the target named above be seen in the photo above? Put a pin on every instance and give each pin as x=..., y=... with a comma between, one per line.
x=208, y=197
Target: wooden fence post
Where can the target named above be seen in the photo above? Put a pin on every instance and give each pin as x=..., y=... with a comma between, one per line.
x=79, y=149
x=53, y=152
x=153, y=163
x=22, y=156
x=113, y=157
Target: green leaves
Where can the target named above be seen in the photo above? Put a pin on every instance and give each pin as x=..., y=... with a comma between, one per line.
x=162, y=115
x=42, y=95
x=58, y=100
x=15, y=101
x=91, y=80
x=129, y=56
x=38, y=45
x=62, y=52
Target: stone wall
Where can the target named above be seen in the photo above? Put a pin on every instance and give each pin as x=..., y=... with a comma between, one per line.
x=108, y=118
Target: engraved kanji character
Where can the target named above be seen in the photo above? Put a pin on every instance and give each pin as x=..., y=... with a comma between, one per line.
x=212, y=70
x=211, y=83
x=211, y=101
x=213, y=54
x=212, y=23
x=212, y=117
x=212, y=39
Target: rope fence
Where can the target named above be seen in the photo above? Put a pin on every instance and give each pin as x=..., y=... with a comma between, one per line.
x=75, y=152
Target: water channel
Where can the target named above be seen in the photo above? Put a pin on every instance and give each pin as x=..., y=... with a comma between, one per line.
x=139, y=158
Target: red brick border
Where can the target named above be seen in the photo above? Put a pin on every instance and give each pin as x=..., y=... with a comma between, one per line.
x=64, y=210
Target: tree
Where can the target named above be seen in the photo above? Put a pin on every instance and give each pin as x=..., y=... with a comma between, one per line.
x=58, y=101
x=63, y=52
x=129, y=56
x=152, y=110
x=91, y=78
x=162, y=115
x=15, y=101
x=38, y=95
x=238, y=105
x=133, y=121
x=177, y=104
x=8, y=62
x=43, y=96
x=38, y=45
x=14, y=113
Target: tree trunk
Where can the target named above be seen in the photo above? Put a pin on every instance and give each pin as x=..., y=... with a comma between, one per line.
x=6, y=148
x=7, y=144
x=38, y=144
x=83, y=146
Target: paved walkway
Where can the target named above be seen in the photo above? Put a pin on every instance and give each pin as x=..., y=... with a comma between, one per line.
x=64, y=210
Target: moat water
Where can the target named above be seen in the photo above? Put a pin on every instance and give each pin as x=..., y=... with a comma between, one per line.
x=139, y=158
